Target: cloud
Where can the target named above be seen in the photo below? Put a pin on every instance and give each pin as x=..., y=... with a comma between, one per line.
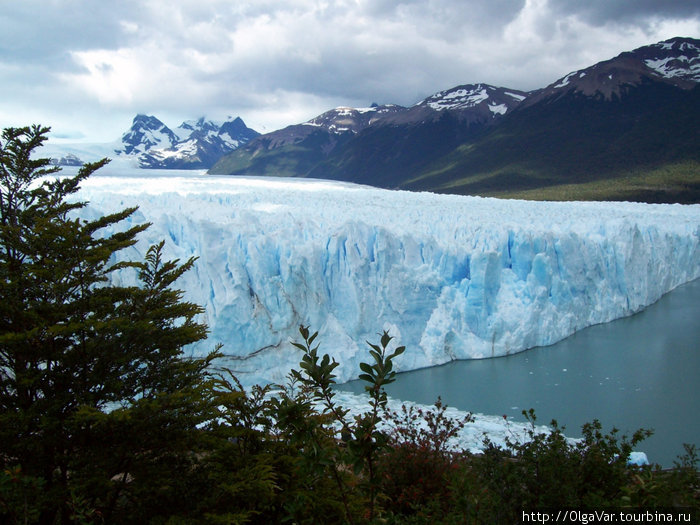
x=41, y=32
x=602, y=12
x=280, y=62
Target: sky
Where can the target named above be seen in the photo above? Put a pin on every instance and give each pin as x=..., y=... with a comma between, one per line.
x=87, y=67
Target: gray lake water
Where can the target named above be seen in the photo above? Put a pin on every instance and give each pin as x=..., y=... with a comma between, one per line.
x=642, y=371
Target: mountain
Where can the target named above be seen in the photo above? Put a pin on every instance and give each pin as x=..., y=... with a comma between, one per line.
x=622, y=129
x=297, y=149
x=342, y=138
x=475, y=103
x=406, y=142
x=675, y=62
x=69, y=159
x=146, y=132
x=193, y=144
x=149, y=143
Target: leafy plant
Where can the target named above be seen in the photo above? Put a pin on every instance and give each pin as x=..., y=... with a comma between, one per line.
x=362, y=438
x=419, y=462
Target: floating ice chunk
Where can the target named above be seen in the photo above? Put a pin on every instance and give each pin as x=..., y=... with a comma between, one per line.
x=637, y=458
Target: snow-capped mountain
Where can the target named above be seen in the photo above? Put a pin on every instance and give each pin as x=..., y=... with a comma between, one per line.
x=312, y=143
x=69, y=159
x=193, y=144
x=146, y=132
x=149, y=143
x=354, y=120
x=304, y=145
x=473, y=102
x=307, y=148
x=335, y=122
x=621, y=129
x=482, y=100
x=675, y=62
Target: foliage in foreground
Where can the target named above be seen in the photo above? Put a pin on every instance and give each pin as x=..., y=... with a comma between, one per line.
x=103, y=420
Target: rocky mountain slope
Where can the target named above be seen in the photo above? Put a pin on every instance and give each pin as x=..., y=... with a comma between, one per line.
x=149, y=143
x=623, y=129
x=193, y=144
x=306, y=149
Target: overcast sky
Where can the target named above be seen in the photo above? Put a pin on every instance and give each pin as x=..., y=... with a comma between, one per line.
x=86, y=67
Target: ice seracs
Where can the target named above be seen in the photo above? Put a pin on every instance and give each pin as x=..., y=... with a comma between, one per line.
x=451, y=277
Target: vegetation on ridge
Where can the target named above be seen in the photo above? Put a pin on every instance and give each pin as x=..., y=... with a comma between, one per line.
x=104, y=420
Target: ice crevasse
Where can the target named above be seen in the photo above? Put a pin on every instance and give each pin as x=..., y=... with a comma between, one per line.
x=451, y=277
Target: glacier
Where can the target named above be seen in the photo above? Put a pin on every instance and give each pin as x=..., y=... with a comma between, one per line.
x=451, y=277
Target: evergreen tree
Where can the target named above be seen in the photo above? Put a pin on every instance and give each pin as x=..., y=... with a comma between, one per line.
x=98, y=408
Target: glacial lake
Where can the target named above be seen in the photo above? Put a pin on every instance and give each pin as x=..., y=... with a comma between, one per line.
x=641, y=371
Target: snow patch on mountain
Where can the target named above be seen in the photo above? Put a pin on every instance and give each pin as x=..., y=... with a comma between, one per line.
x=516, y=96
x=681, y=66
x=489, y=101
x=565, y=81
x=666, y=59
x=345, y=119
x=459, y=98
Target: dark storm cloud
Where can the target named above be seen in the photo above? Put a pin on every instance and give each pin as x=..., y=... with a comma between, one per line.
x=449, y=18
x=627, y=11
x=38, y=32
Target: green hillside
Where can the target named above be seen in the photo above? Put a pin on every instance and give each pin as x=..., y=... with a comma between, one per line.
x=294, y=159
x=643, y=145
x=382, y=155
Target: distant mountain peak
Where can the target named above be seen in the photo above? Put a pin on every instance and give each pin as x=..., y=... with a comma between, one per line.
x=676, y=58
x=675, y=61
x=194, y=143
x=347, y=119
x=491, y=99
x=146, y=132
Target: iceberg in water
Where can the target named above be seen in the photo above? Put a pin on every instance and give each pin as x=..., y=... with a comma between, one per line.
x=451, y=277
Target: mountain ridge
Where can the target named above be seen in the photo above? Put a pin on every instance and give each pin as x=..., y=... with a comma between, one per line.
x=623, y=118
x=301, y=149
x=149, y=143
x=621, y=124
x=195, y=144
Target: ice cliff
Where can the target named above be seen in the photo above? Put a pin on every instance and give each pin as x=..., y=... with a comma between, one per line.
x=451, y=277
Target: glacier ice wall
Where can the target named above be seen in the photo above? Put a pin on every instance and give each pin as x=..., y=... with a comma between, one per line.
x=451, y=277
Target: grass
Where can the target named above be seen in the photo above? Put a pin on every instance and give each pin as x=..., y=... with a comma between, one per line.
x=670, y=181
